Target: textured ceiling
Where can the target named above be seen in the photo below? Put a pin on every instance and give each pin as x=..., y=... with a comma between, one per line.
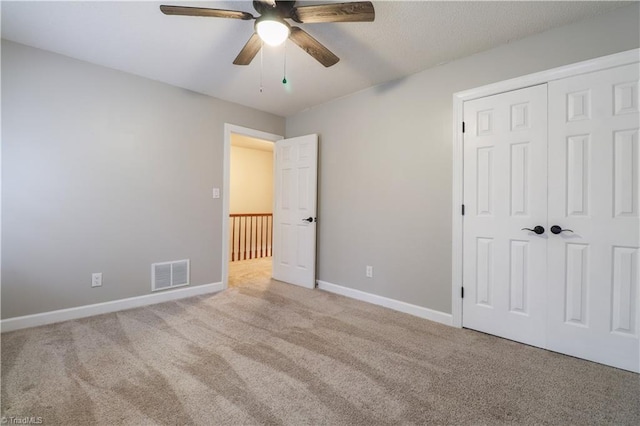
x=197, y=53
x=243, y=141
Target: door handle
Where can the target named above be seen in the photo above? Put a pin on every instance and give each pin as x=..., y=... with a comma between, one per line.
x=538, y=229
x=309, y=219
x=555, y=229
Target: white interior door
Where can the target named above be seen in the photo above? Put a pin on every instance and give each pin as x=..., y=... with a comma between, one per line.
x=505, y=190
x=593, y=191
x=294, y=237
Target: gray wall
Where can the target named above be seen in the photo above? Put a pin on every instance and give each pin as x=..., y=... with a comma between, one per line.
x=385, y=180
x=103, y=171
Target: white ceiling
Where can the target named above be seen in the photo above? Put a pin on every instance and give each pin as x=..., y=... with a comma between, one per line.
x=243, y=141
x=197, y=53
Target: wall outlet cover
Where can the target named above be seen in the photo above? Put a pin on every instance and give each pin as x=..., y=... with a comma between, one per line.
x=96, y=279
x=369, y=271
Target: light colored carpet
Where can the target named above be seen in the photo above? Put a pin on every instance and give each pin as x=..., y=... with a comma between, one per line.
x=249, y=271
x=270, y=353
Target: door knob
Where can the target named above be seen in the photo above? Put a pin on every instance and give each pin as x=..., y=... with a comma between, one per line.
x=309, y=219
x=555, y=229
x=538, y=229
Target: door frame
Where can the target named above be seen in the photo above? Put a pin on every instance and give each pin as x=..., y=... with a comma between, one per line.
x=230, y=129
x=591, y=65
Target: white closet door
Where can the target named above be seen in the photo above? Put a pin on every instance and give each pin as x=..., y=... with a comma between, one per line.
x=505, y=190
x=593, y=191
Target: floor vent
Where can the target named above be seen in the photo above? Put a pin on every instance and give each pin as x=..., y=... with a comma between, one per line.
x=169, y=274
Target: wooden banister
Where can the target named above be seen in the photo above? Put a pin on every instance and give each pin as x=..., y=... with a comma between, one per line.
x=251, y=235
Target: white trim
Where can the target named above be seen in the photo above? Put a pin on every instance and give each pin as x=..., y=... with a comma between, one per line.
x=456, y=220
x=35, y=320
x=228, y=130
x=396, y=305
x=592, y=65
x=584, y=67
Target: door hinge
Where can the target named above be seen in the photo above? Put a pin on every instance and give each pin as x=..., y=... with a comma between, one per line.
x=463, y=127
x=462, y=292
x=462, y=210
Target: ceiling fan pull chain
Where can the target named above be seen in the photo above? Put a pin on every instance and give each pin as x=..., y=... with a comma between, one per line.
x=284, y=77
x=261, y=50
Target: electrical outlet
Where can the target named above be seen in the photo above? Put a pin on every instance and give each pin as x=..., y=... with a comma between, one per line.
x=369, y=271
x=216, y=193
x=96, y=279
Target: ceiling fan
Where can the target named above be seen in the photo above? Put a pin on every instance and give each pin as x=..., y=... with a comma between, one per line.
x=272, y=28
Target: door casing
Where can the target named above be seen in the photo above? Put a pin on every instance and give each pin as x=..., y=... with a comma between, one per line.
x=609, y=61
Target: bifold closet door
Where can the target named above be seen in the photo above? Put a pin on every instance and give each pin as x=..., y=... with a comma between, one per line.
x=593, y=196
x=505, y=190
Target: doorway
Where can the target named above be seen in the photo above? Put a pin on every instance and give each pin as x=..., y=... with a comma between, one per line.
x=250, y=259
x=294, y=209
x=250, y=210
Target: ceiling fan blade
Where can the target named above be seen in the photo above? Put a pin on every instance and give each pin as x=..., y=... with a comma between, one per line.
x=203, y=11
x=359, y=11
x=249, y=51
x=313, y=47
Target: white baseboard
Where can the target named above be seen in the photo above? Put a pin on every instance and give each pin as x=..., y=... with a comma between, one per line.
x=35, y=320
x=396, y=305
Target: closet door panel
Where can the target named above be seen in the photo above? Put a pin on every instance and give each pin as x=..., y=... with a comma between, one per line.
x=505, y=191
x=593, y=196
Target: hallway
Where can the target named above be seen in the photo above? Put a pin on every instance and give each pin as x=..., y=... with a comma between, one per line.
x=250, y=271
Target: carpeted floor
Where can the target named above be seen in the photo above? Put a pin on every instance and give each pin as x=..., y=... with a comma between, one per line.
x=265, y=352
x=249, y=271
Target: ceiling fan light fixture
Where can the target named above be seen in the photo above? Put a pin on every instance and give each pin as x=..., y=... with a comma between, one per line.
x=272, y=31
x=271, y=27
